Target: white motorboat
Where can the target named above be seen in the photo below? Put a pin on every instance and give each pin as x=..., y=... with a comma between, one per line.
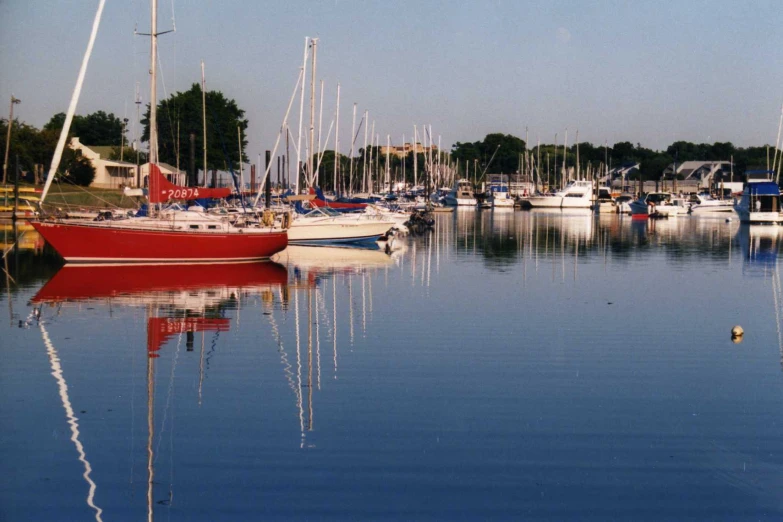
x=577, y=194
x=706, y=204
x=655, y=204
x=623, y=203
x=461, y=194
x=501, y=199
x=327, y=226
x=760, y=202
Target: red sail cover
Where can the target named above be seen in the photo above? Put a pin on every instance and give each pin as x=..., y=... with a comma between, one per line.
x=337, y=205
x=162, y=190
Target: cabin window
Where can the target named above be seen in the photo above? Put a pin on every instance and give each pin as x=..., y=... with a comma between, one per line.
x=212, y=227
x=195, y=227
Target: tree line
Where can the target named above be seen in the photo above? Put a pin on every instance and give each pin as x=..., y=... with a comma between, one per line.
x=509, y=152
x=180, y=141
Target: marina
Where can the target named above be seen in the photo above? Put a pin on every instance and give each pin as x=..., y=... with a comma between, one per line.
x=351, y=374
x=448, y=262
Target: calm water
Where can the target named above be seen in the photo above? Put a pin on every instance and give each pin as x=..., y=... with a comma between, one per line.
x=506, y=366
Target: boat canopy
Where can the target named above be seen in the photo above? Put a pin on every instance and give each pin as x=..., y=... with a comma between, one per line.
x=764, y=188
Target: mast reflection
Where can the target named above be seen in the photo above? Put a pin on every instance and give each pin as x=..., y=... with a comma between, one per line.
x=179, y=299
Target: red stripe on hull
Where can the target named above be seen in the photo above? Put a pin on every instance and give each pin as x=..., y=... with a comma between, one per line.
x=84, y=243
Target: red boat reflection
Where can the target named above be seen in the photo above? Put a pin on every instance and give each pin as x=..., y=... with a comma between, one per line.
x=80, y=283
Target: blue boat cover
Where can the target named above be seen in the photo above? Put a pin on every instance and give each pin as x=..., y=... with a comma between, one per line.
x=764, y=188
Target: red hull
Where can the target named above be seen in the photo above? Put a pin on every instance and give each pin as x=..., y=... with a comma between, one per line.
x=83, y=243
x=80, y=283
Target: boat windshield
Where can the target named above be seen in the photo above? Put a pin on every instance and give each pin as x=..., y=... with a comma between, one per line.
x=658, y=198
x=322, y=211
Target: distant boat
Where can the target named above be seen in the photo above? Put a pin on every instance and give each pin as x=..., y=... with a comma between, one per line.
x=706, y=204
x=577, y=194
x=500, y=197
x=760, y=202
x=655, y=204
x=461, y=194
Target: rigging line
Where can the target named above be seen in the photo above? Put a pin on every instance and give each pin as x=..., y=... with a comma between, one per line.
x=287, y=368
x=168, y=395
x=227, y=157
x=73, y=420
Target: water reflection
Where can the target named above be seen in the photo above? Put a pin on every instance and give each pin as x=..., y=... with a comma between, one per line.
x=184, y=299
x=347, y=374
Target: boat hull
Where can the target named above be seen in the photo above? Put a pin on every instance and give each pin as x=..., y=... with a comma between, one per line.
x=320, y=233
x=87, y=243
x=545, y=201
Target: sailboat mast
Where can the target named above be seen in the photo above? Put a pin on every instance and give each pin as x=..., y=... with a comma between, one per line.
x=387, y=184
x=337, y=139
x=301, y=115
x=311, y=145
x=415, y=157
x=58, y=151
x=353, y=139
x=153, y=159
x=204, y=118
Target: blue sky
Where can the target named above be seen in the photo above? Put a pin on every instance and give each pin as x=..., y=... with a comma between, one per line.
x=650, y=72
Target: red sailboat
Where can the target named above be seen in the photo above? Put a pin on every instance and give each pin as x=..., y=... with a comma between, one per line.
x=170, y=236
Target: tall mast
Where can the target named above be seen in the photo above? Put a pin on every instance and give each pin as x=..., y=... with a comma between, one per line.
x=415, y=157
x=388, y=147
x=311, y=144
x=337, y=139
x=301, y=115
x=565, y=157
x=350, y=156
x=204, y=118
x=58, y=151
x=364, y=159
x=153, y=159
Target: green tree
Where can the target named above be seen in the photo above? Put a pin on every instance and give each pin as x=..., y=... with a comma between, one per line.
x=76, y=169
x=97, y=128
x=181, y=114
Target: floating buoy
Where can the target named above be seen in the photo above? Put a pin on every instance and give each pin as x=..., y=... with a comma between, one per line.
x=736, y=334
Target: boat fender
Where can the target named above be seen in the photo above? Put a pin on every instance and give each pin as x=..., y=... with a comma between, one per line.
x=268, y=218
x=286, y=221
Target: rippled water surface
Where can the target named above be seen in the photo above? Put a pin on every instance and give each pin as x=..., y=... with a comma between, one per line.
x=503, y=366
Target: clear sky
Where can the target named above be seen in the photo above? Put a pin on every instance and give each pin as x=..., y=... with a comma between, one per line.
x=649, y=72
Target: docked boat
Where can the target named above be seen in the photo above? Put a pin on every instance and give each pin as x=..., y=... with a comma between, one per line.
x=170, y=236
x=461, y=194
x=706, y=204
x=325, y=226
x=656, y=204
x=577, y=194
x=623, y=202
x=501, y=198
x=760, y=202
x=166, y=236
x=604, y=204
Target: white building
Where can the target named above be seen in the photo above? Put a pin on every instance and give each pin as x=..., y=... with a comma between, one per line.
x=119, y=174
x=108, y=173
x=705, y=172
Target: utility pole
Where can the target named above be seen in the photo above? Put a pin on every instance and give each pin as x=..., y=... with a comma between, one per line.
x=14, y=101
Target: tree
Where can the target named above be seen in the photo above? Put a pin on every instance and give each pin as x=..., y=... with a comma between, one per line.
x=181, y=114
x=505, y=148
x=97, y=128
x=76, y=168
